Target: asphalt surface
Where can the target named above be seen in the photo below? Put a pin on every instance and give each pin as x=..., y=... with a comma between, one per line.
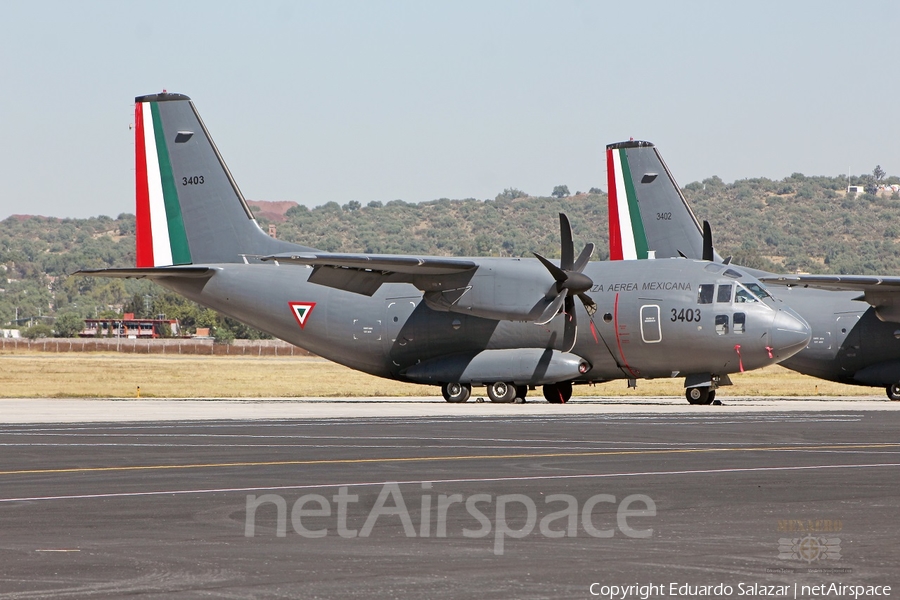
x=484, y=506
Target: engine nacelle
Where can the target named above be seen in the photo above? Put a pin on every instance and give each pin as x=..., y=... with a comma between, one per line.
x=513, y=295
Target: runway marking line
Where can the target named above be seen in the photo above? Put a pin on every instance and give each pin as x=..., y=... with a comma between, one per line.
x=335, y=461
x=183, y=492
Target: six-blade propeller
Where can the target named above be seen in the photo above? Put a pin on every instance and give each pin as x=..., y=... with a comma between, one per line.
x=570, y=282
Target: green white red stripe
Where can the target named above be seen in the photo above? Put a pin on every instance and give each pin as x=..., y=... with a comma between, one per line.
x=161, y=237
x=627, y=239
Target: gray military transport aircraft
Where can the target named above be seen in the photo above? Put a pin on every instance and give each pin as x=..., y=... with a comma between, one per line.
x=855, y=319
x=508, y=323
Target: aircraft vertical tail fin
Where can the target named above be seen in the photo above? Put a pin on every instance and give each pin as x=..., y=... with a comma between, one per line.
x=648, y=214
x=189, y=209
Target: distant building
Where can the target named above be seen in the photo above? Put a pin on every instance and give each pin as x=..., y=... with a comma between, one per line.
x=129, y=327
x=9, y=333
x=856, y=189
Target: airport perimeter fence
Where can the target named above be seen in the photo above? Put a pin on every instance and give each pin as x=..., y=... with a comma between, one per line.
x=154, y=346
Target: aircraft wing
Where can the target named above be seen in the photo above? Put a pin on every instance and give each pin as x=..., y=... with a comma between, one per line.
x=883, y=293
x=150, y=272
x=843, y=283
x=364, y=273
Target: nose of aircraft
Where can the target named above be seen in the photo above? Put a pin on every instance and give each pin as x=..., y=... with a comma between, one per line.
x=790, y=334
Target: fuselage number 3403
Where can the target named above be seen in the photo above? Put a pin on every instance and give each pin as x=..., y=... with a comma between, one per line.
x=686, y=314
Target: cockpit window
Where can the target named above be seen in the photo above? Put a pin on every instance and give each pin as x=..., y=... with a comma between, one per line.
x=724, y=293
x=713, y=267
x=705, y=295
x=732, y=273
x=744, y=295
x=759, y=290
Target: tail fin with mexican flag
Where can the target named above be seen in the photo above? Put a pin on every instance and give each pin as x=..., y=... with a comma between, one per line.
x=189, y=208
x=648, y=214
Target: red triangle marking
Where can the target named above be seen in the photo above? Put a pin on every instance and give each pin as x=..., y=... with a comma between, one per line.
x=301, y=311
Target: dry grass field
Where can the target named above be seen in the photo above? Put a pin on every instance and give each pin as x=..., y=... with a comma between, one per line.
x=113, y=375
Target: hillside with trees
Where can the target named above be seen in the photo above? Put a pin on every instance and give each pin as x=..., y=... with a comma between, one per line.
x=799, y=223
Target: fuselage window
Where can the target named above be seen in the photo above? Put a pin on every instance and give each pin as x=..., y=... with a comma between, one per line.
x=721, y=324
x=732, y=273
x=705, y=295
x=724, y=294
x=739, y=320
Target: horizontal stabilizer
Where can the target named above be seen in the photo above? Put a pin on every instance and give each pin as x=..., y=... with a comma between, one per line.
x=150, y=272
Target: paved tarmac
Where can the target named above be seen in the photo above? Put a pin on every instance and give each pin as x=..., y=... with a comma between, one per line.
x=511, y=501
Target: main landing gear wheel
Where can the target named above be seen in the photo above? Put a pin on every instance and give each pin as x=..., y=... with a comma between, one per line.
x=456, y=392
x=558, y=393
x=501, y=392
x=699, y=395
x=893, y=391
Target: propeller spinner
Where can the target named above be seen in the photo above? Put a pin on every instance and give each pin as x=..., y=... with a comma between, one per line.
x=570, y=282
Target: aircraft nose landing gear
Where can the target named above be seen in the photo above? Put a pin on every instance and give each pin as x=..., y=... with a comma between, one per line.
x=700, y=395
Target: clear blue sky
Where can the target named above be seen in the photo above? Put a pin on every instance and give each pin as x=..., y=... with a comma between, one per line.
x=377, y=100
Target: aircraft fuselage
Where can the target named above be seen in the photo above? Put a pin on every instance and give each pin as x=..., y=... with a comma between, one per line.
x=650, y=321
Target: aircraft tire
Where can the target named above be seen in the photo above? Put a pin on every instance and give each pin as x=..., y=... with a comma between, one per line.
x=521, y=392
x=698, y=395
x=456, y=392
x=501, y=392
x=558, y=393
x=893, y=391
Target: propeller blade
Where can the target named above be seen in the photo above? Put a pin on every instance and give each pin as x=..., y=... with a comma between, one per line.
x=558, y=274
x=570, y=332
x=551, y=309
x=583, y=258
x=707, y=242
x=589, y=305
x=566, y=244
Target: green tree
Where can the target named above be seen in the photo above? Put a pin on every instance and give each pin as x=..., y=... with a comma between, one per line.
x=560, y=191
x=511, y=194
x=223, y=335
x=68, y=325
x=41, y=330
